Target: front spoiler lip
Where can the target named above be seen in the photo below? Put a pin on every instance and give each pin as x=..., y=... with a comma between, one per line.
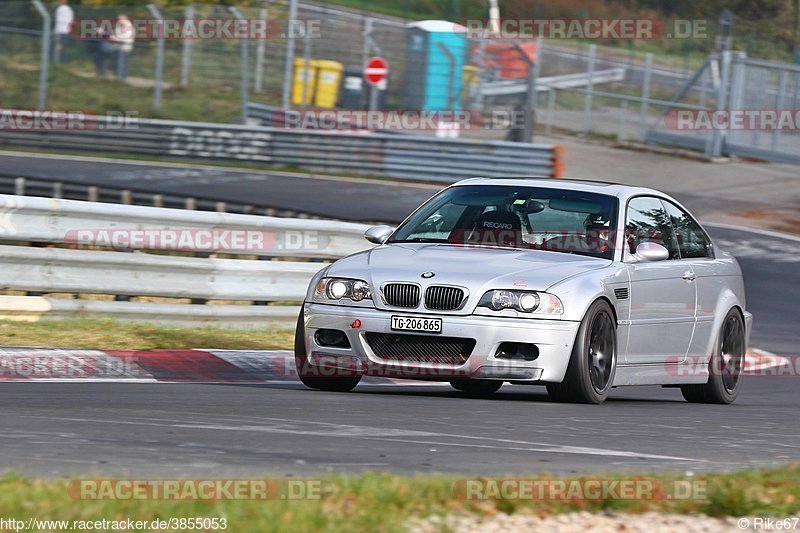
x=353, y=365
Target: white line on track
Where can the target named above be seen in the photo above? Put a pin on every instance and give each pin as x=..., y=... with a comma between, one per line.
x=764, y=232
x=328, y=430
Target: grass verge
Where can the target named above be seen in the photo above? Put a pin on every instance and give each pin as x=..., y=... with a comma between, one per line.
x=98, y=333
x=385, y=502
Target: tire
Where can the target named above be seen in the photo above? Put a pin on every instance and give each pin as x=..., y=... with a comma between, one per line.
x=590, y=373
x=476, y=387
x=306, y=372
x=725, y=367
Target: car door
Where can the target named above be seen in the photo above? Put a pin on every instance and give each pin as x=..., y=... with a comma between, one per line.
x=663, y=295
x=696, y=249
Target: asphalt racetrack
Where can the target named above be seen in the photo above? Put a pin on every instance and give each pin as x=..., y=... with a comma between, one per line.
x=189, y=430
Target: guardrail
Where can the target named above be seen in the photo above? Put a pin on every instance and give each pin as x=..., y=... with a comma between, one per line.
x=66, y=246
x=566, y=81
x=400, y=156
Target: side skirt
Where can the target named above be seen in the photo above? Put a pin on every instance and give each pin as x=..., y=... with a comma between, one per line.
x=661, y=374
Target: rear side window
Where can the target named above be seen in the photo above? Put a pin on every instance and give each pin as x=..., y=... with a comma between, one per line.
x=692, y=241
x=647, y=221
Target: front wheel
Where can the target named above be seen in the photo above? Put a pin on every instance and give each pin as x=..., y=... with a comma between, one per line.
x=311, y=375
x=477, y=387
x=593, y=362
x=725, y=367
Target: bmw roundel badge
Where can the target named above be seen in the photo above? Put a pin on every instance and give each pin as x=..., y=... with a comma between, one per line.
x=428, y=275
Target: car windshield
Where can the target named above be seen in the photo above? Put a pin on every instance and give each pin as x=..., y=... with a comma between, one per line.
x=540, y=218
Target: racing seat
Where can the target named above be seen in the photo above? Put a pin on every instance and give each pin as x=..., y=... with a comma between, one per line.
x=497, y=228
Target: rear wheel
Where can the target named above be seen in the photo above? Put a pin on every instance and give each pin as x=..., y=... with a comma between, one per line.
x=725, y=367
x=590, y=373
x=310, y=375
x=477, y=387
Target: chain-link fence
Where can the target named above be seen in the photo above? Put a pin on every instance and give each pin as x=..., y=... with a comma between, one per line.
x=194, y=78
x=202, y=78
x=314, y=60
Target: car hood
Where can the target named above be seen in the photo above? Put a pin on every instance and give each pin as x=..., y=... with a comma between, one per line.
x=476, y=268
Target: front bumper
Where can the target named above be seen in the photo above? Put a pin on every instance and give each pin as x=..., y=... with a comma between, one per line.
x=554, y=339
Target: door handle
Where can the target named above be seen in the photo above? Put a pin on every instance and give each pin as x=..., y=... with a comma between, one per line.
x=689, y=275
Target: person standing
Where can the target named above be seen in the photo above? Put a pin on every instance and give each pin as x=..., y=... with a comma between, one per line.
x=100, y=50
x=64, y=16
x=123, y=39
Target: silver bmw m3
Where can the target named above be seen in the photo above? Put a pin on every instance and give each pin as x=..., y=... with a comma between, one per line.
x=579, y=286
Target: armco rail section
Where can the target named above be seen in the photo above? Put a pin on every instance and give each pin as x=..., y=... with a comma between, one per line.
x=49, y=246
x=400, y=156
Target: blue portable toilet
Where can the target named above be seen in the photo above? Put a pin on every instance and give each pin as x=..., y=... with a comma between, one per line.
x=436, y=52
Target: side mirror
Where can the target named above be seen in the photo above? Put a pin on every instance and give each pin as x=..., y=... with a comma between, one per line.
x=648, y=252
x=378, y=234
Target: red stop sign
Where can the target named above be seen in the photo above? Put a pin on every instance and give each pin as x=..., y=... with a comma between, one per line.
x=376, y=70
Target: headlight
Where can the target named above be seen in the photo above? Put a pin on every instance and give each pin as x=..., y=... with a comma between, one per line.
x=339, y=288
x=522, y=301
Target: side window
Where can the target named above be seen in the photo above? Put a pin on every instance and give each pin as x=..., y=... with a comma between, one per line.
x=692, y=242
x=646, y=221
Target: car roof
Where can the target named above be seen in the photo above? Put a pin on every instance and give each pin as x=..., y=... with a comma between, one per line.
x=600, y=187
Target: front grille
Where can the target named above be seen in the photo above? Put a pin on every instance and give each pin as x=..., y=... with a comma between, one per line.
x=420, y=348
x=401, y=294
x=443, y=298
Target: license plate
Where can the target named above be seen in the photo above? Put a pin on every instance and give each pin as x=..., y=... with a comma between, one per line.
x=417, y=323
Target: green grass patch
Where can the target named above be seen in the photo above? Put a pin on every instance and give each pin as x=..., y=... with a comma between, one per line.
x=98, y=333
x=385, y=502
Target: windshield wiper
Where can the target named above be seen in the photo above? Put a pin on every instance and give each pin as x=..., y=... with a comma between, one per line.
x=418, y=239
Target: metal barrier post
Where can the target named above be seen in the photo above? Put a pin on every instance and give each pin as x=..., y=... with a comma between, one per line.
x=258, y=75
x=288, y=63
x=45, y=54
x=371, y=46
x=779, y=103
x=551, y=111
x=306, y=67
x=735, y=100
x=480, y=60
x=587, y=104
x=648, y=71
x=367, y=43
x=186, y=52
x=714, y=148
x=451, y=60
x=159, y=75
x=245, y=54
x=530, y=95
x=623, y=120
x=535, y=69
